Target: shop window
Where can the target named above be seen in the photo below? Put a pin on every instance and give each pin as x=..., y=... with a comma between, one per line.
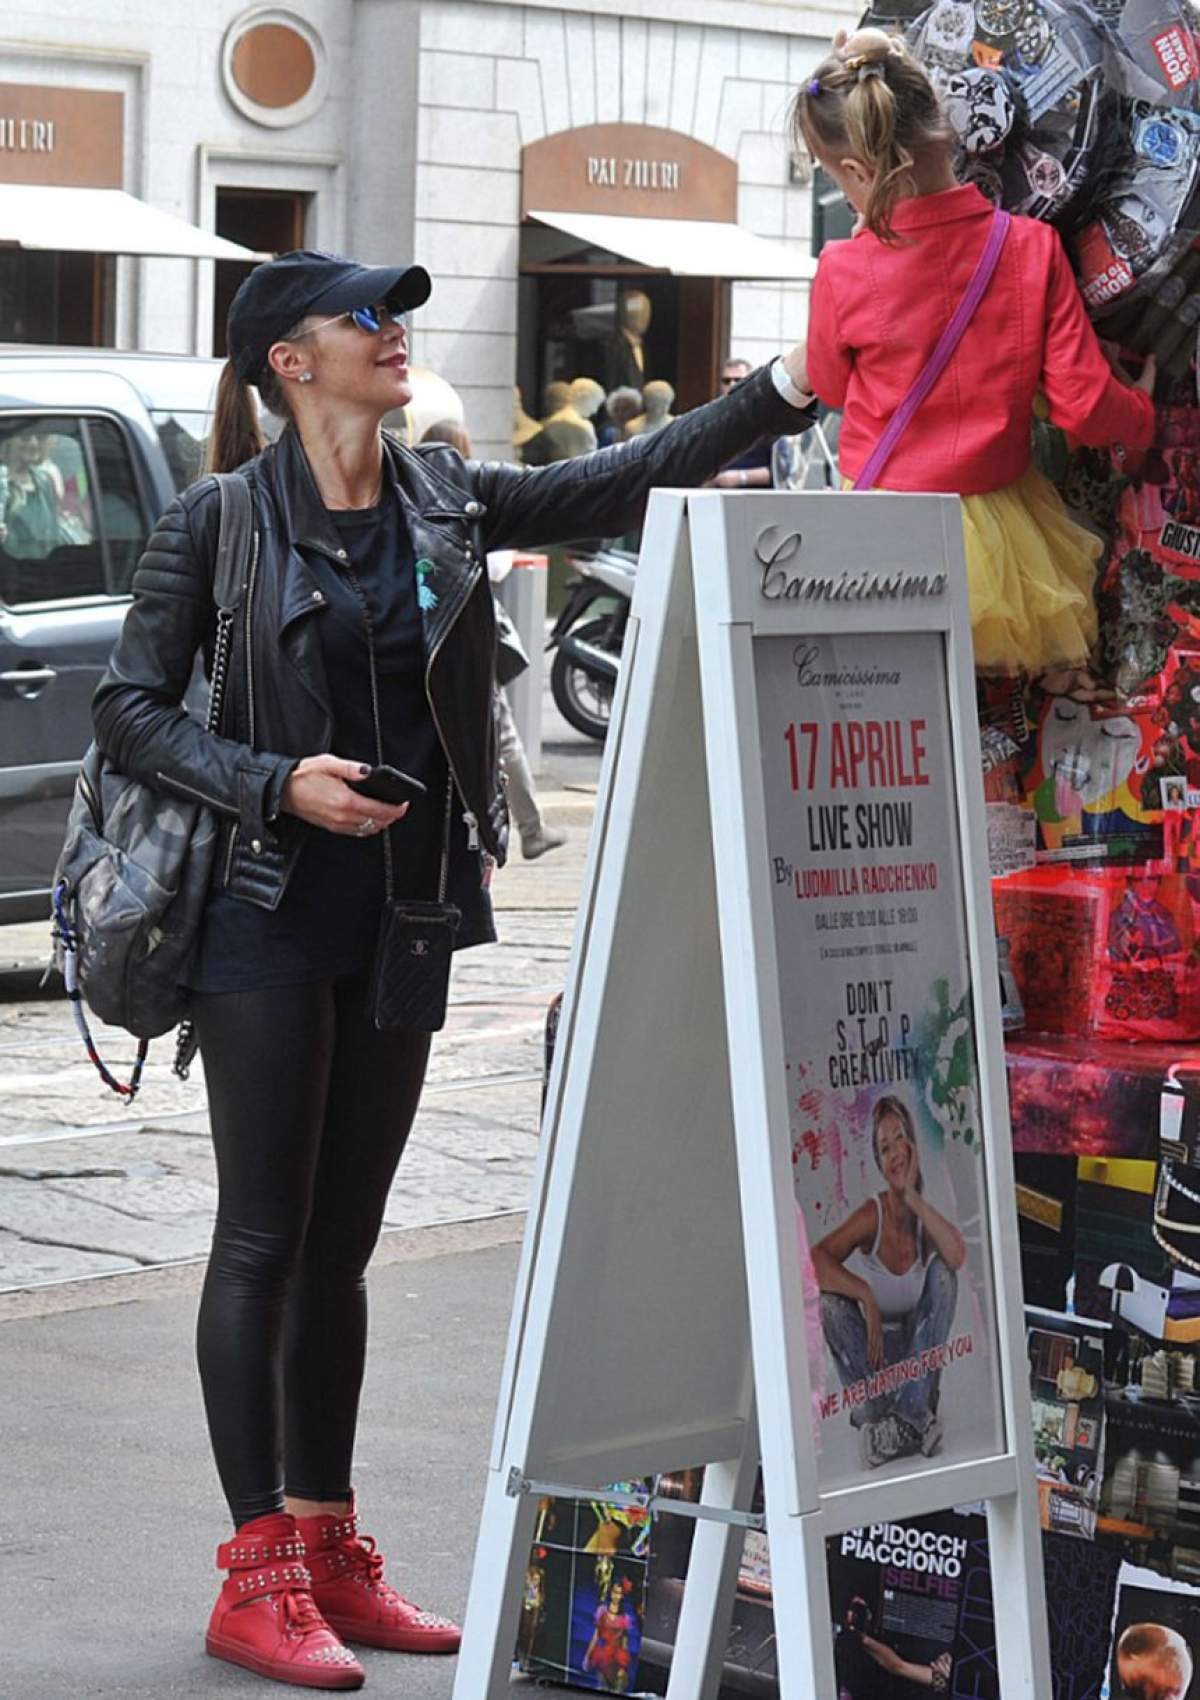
x=620, y=331
x=56, y=298
x=72, y=523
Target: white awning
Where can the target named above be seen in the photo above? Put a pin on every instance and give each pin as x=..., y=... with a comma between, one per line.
x=688, y=247
x=103, y=221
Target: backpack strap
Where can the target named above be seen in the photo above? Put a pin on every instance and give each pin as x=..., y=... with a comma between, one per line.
x=938, y=360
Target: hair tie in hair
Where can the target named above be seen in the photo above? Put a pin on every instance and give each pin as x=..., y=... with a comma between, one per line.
x=814, y=87
x=872, y=68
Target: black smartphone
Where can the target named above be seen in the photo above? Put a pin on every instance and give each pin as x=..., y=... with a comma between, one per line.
x=388, y=785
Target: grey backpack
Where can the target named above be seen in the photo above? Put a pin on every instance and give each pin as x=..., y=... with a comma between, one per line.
x=133, y=876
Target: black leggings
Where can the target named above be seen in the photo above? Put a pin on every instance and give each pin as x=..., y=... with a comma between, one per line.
x=310, y=1109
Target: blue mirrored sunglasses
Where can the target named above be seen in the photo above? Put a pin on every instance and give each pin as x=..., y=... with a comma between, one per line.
x=368, y=319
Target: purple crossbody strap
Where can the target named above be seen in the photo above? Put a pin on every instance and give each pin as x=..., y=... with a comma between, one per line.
x=947, y=343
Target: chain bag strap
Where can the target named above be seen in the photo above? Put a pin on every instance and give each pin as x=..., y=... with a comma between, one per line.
x=237, y=552
x=133, y=877
x=410, y=980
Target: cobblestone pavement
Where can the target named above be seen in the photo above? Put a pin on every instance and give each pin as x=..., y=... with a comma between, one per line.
x=91, y=1187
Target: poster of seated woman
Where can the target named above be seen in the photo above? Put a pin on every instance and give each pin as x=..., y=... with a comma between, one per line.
x=898, y=1301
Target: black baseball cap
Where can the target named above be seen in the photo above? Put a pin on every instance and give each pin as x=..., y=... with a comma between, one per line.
x=281, y=292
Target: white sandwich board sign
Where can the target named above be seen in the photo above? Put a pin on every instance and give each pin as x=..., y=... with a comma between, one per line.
x=774, y=1214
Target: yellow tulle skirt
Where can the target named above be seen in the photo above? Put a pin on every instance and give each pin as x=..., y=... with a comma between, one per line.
x=1031, y=571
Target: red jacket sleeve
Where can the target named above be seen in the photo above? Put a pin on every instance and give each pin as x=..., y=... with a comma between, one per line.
x=828, y=358
x=1085, y=398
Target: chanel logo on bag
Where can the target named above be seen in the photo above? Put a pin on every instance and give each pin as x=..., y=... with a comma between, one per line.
x=420, y=947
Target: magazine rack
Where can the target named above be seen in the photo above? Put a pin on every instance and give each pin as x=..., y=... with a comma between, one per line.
x=786, y=921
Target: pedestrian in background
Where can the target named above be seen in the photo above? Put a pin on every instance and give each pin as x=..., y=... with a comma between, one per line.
x=367, y=638
x=752, y=470
x=511, y=661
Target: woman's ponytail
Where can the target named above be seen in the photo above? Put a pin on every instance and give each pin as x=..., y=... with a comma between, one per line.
x=236, y=437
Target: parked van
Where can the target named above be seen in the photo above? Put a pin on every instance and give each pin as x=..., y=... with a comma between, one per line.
x=93, y=446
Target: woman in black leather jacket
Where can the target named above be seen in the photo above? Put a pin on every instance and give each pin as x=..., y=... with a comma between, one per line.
x=366, y=636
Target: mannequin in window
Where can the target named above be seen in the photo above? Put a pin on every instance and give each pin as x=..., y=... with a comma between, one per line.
x=657, y=400
x=565, y=433
x=621, y=407
x=625, y=354
x=587, y=398
x=524, y=427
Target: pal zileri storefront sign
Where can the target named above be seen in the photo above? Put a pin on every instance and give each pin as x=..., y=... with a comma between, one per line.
x=631, y=170
x=780, y=1042
x=61, y=137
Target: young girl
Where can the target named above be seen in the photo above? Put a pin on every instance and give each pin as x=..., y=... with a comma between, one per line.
x=880, y=302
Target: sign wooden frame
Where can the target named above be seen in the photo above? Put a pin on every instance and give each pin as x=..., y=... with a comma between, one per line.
x=667, y=1103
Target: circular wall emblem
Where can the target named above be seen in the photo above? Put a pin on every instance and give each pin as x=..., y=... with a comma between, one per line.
x=274, y=67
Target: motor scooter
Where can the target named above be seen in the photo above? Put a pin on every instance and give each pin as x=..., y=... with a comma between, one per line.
x=588, y=636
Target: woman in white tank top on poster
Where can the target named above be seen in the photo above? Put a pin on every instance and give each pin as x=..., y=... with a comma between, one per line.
x=903, y=1300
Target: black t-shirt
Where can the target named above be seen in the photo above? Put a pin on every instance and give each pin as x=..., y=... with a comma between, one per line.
x=327, y=921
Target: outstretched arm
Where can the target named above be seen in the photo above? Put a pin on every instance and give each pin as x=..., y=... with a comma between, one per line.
x=886, y=1659
x=605, y=493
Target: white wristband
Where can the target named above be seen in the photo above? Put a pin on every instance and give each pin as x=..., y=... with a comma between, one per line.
x=787, y=389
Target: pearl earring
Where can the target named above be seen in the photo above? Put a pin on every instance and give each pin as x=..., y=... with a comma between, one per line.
x=306, y=378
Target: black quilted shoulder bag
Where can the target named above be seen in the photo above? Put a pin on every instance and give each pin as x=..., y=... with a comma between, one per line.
x=133, y=876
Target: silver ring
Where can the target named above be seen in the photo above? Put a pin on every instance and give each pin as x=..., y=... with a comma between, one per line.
x=365, y=826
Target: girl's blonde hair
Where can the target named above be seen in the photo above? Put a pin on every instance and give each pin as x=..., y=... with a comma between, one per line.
x=870, y=100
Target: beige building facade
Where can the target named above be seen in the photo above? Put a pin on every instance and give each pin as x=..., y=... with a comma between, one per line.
x=418, y=129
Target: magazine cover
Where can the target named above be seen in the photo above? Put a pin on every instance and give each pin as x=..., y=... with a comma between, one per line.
x=1155, y=1648
x=583, y=1600
x=895, y=1592
x=880, y=1043
x=924, y=1593
x=1066, y=1386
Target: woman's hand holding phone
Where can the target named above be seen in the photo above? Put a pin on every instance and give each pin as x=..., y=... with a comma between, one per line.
x=385, y=784
x=318, y=791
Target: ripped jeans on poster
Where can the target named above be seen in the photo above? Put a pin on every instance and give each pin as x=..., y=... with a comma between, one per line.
x=926, y=1325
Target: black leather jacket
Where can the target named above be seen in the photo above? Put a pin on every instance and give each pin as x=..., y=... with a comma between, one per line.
x=277, y=706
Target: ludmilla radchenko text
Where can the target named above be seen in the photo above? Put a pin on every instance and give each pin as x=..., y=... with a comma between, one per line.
x=868, y=901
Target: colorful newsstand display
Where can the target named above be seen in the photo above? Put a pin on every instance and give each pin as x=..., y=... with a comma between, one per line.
x=1087, y=115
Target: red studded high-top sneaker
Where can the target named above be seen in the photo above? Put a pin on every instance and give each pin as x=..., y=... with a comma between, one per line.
x=265, y=1618
x=354, y=1599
